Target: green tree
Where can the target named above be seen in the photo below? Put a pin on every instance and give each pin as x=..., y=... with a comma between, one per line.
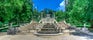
x=15, y=11
x=60, y=15
x=36, y=15
x=90, y=12
x=77, y=15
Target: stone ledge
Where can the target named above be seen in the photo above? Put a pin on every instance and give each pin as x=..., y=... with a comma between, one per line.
x=47, y=34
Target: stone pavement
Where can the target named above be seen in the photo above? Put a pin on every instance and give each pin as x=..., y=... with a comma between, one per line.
x=34, y=37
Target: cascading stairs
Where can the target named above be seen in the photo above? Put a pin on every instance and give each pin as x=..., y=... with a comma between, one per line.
x=49, y=29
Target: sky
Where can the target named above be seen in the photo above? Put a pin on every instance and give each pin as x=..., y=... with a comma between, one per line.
x=50, y=4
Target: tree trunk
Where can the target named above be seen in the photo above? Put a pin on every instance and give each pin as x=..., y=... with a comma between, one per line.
x=91, y=24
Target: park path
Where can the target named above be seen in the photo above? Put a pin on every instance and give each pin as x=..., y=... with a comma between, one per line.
x=34, y=37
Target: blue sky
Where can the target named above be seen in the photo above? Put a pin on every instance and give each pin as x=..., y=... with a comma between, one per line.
x=50, y=4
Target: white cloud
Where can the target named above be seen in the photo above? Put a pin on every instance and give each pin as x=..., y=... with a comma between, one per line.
x=62, y=6
x=62, y=3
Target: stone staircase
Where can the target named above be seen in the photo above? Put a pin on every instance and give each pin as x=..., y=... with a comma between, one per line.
x=48, y=29
x=29, y=28
x=63, y=25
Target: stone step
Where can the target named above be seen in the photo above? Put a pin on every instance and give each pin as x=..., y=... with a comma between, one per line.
x=48, y=32
x=48, y=28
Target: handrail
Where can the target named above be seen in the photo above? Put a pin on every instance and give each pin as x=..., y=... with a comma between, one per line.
x=3, y=27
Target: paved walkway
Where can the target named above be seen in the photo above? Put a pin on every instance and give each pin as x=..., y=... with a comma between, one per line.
x=34, y=37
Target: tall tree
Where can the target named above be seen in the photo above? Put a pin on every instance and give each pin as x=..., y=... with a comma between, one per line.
x=15, y=10
x=77, y=15
x=60, y=15
x=90, y=12
x=36, y=15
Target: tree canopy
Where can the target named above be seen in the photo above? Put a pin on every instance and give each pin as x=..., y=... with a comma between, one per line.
x=15, y=11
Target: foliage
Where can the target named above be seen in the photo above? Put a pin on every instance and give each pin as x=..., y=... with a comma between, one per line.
x=60, y=15
x=90, y=12
x=36, y=15
x=78, y=13
x=15, y=11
